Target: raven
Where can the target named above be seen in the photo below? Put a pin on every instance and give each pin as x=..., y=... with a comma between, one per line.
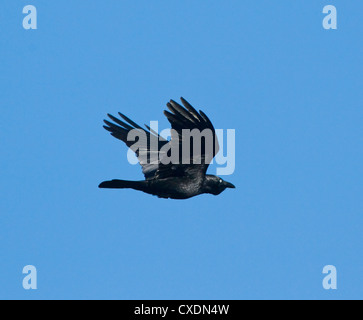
x=181, y=180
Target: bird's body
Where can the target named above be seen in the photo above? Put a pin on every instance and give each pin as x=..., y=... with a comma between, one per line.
x=173, y=188
x=181, y=180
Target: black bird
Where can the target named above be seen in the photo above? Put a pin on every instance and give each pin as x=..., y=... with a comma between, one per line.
x=181, y=180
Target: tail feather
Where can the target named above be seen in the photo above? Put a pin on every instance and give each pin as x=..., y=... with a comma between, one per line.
x=122, y=184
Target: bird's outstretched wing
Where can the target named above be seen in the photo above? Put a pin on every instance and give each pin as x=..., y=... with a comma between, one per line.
x=184, y=122
x=152, y=150
x=150, y=141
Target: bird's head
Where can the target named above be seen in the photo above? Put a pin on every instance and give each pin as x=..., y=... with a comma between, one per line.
x=215, y=185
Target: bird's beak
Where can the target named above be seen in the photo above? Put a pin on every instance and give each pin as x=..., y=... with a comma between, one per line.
x=229, y=185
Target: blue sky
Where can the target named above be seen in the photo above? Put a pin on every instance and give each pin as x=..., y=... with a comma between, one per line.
x=290, y=89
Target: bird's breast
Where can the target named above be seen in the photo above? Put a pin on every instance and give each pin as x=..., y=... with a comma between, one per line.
x=176, y=188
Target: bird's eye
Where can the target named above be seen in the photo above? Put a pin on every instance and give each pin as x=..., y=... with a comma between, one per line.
x=220, y=180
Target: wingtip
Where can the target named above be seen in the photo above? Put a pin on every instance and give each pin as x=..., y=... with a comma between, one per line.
x=108, y=123
x=169, y=106
x=174, y=103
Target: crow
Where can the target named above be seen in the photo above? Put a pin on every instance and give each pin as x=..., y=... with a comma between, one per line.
x=182, y=179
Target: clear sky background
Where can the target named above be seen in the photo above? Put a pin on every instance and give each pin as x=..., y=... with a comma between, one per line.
x=268, y=69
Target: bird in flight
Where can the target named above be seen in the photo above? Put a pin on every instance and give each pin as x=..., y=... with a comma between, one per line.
x=185, y=175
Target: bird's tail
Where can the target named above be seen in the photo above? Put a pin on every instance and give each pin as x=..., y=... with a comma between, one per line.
x=123, y=184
